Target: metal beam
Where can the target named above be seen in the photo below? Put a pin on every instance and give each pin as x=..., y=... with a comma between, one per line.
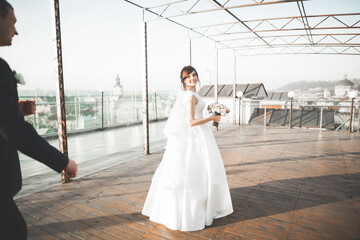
x=324, y=16
x=234, y=91
x=305, y=53
x=145, y=90
x=352, y=35
x=274, y=30
x=251, y=30
x=189, y=48
x=220, y=8
x=216, y=74
x=59, y=77
x=170, y=20
x=296, y=45
x=222, y=43
x=304, y=19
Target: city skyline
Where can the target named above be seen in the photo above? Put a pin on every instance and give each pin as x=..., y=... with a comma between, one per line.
x=102, y=40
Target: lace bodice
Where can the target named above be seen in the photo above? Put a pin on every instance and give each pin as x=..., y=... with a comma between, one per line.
x=199, y=107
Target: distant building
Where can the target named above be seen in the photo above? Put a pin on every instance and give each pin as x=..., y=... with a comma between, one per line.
x=315, y=90
x=252, y=93
x=327, y=93
x=117, y=90
x=275, y=100
x=343, y=88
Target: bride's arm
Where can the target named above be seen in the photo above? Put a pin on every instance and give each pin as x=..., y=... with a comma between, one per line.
x=191, y=114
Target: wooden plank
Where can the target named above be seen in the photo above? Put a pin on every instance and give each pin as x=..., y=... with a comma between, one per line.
x=278, y=189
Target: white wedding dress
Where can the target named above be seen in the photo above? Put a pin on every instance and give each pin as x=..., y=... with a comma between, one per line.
x=189, y=188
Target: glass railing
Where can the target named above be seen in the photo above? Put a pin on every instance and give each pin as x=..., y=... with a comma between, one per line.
x=88, y=113
x=95, y=112
x=331, y=115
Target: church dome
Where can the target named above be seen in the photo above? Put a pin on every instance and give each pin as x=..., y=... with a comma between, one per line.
x=346, y=83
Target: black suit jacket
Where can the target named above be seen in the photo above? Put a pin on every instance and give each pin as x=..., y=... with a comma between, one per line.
x=17, y=134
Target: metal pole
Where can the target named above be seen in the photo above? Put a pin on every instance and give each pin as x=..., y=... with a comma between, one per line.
x=156, y=118
x=34, y=118
x=291, y=106
x=321, y=118
x=76, y=103
x=354, y=113
x=60, y=95
x=133, y=107
x=351, y=113
x=145, y=90
x=189, y=46
x=265, y=117
x=111, y=104
x=216, y=74
x=240, y=112
x=234, y=91
x=79, y=108
x=102, y=110
x=358, y=113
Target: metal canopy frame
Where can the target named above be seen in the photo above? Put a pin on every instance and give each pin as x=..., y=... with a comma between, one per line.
x=335, y=33
x=246, y=37
x=222, y=22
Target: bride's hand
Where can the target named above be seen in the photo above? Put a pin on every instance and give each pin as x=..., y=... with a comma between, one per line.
x=216, y=118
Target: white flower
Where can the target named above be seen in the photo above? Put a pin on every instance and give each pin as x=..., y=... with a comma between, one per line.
x=19, y=78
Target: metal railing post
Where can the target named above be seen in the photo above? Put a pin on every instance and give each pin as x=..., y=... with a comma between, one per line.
x=240, y=112
x=291, y=112
x=265, y=116
x=102, y=110
x=351, y=115
x=357, y=107
x=156, y=117
x=34, y=118
x=321, y=118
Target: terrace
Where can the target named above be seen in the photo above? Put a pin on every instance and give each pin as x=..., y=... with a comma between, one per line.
x=285, y=184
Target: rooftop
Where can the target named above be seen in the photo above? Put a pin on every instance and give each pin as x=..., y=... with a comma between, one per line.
x=285, y=184
x=250, y=90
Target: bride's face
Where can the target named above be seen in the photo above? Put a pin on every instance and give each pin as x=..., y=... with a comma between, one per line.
x=191, y=80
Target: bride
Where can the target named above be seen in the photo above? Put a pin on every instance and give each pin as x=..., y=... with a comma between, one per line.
x=189, y=188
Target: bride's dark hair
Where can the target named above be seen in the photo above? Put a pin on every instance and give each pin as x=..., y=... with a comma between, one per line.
x=185, y=73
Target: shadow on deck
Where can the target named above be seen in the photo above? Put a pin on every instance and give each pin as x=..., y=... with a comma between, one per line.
x=284, y=183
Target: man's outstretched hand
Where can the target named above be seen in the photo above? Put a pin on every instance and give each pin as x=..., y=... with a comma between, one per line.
x=71, y=169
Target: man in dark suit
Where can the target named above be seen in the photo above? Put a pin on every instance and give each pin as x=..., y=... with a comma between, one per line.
x=16, y=134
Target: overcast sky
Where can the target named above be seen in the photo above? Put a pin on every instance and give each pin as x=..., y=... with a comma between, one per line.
x=102, y=39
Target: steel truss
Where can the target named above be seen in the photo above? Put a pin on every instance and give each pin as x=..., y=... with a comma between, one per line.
x=337, y=33
x=300, y=34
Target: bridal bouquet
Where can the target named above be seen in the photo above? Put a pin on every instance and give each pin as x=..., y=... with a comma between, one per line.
x=217, y=109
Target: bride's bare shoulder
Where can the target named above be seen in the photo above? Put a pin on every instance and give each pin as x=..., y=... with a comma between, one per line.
x=190, y=97
x=190, y=93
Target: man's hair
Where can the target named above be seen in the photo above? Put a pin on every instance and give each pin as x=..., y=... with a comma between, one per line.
x=4, y=8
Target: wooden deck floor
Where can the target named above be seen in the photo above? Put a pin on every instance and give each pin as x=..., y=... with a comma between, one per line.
x=285, y=184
